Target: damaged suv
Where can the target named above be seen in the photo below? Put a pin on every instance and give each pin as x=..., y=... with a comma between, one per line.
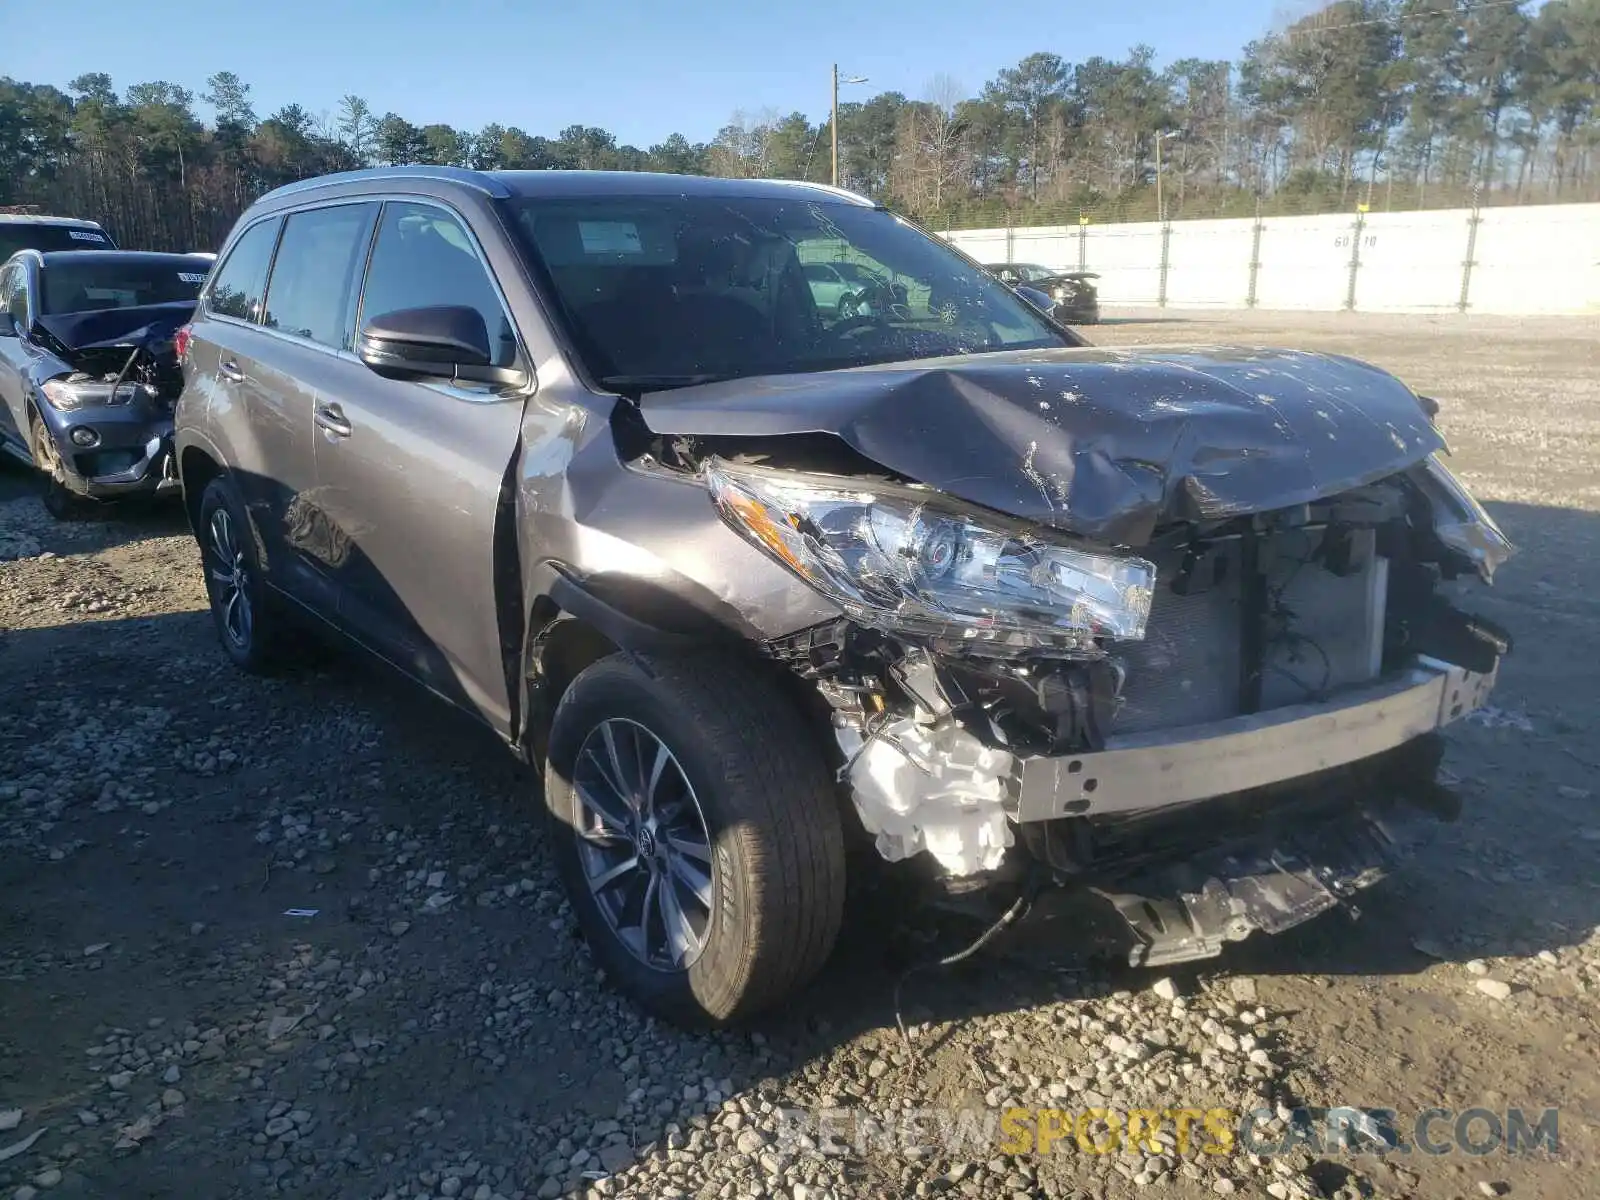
x=89, y=368
x=754, y=580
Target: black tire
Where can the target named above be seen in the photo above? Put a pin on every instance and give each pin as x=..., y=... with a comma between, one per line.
x=770, y=815
x=60, y=501
x=261, y=643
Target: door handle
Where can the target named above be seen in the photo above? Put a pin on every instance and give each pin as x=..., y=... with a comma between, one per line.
x=331, y=417
x=229, y=369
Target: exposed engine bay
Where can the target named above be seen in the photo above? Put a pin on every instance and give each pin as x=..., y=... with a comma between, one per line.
x=1146, y=662
x=117, y=355
x=1263, y=614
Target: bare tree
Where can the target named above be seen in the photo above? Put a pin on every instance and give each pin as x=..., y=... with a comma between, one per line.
x=742, y=147
x=931, y=159
x=357, y=126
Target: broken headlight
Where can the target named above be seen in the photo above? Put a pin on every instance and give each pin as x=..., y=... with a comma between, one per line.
x=1461, y=522
x=69, y=393
x=913, y=561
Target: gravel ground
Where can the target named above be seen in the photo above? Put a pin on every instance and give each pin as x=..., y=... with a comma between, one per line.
x=302, y=937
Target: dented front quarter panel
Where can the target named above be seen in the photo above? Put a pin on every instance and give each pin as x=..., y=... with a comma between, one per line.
x=638, y=530
x=1104, y=444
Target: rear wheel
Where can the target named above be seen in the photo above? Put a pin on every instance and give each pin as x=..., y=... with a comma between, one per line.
x=253, y=630
x=697, y=834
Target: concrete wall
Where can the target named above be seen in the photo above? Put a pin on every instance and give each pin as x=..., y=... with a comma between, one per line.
x=1532, y=260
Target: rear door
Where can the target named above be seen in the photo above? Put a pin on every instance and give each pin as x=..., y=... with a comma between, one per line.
x=411, y=474
x=223, y=376
x=304, y=361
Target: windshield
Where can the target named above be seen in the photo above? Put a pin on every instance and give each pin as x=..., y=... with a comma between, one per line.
x=664, y=290
x=25, y=235
x=98, y=283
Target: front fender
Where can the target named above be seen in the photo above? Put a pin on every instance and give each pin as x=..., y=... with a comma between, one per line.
x=634, y=551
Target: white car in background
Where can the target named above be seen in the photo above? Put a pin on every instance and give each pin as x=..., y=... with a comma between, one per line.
x=842, y=288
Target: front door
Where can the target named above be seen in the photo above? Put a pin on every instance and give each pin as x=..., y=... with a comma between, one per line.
x=411, y=475
x=14, y=356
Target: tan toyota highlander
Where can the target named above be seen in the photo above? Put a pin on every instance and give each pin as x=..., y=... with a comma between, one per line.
x=756, y=577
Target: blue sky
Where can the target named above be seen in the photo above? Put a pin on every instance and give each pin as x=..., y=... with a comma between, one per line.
x=641, y=69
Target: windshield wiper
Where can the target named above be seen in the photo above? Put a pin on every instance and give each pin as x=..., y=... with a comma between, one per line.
x=659, y=383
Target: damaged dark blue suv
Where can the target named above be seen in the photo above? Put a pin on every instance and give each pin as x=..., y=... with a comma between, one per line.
x=88, y=368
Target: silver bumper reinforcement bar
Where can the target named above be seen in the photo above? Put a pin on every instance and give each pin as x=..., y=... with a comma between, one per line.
x=1147, y=771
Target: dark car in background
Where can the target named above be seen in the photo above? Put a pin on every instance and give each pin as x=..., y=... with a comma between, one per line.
x=1074, y=298
x=752, y=580
x=25, y=230
x=89, y=369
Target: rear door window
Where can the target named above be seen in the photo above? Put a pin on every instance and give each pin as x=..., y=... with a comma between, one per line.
x=312, y=291
x=425, y=257
x=242, y=276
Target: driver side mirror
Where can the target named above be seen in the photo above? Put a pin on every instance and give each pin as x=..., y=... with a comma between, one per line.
x=445, y=342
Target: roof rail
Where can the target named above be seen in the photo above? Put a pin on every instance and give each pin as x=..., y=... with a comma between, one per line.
x=476, y=180
x=842, y=193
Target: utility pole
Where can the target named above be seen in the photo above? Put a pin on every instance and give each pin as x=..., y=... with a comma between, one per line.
x=833, y=123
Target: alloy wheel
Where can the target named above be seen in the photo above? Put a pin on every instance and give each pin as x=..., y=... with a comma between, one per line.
x=643, y=844
x=230, y=578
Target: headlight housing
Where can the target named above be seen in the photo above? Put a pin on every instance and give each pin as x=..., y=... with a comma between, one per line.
x=69, y=393
x=1461, y=523
x=916, y=562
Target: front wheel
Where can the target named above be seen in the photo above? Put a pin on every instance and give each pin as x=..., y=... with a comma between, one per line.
x=697, y=834
x=60, y=501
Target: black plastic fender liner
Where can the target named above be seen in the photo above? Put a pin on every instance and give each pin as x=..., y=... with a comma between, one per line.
x=626, y=629
x=606, y=614
x=618, y=612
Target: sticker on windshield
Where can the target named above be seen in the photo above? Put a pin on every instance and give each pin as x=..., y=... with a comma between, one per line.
x=84, y=235
x=191, y=277
x=610, y=237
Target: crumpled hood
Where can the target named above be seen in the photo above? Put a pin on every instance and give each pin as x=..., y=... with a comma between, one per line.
x=107, y=328
x=1107, y=444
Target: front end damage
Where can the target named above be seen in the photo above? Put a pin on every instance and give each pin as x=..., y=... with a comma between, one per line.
x=107, y=391
x=1266, y=749
x=1227, y=722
